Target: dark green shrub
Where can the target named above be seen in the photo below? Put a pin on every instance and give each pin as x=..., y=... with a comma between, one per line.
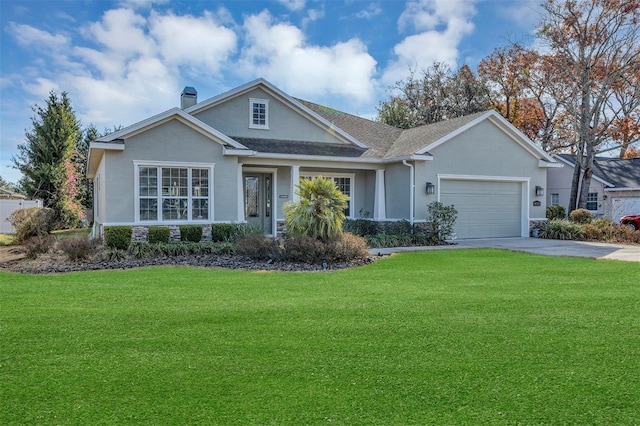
x=302, y=248
x=580, y=216
x=562, y=230
x=159, y=234
x=241, y=230
x=191, y=233
x=442, y=219
x=118, y=237
x=348, y=247
x=78, y=248
x=258, y=246
x=401, y=227
x=556, y=212
x=362, y=227
x=223, y=232
x=32, y=222
x=145, y=250
x=113, y=254
x=40, y=244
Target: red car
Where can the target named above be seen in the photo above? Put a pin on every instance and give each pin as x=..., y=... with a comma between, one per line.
x=631, y=221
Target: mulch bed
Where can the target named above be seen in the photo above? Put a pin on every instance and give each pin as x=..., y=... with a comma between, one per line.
x=58, y=263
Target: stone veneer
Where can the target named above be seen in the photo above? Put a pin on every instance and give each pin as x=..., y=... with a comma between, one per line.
x=141, y=233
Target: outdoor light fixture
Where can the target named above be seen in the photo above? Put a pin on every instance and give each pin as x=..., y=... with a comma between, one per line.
x=539, y=191
x=431, y=188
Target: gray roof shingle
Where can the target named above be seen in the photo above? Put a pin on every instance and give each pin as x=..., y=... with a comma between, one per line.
x=621, y=172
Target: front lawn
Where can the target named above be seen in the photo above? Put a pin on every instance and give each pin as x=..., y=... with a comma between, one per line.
x=440, y=337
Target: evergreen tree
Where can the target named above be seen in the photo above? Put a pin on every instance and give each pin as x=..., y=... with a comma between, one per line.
x=46, y=159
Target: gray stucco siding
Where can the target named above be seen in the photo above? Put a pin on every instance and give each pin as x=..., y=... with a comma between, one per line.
x=232, y=118
x=482, y=151
x=559, y=182
x=170, y=142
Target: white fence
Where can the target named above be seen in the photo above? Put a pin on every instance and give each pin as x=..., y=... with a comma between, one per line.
x=9, y=206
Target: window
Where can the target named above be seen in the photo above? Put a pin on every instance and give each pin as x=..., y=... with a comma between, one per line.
x=343, y=182
x=173, y=194
x=592, y=201
x=258, y=114
x=555, y=199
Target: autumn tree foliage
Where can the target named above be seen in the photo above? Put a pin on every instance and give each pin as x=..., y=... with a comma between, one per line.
x=595, y=45
x=46, y=160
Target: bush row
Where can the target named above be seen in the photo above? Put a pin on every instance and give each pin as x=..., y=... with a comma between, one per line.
x=593, y=230
x=302, y=248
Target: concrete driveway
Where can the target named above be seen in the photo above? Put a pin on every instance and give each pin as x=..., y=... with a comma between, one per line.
x=539, y=246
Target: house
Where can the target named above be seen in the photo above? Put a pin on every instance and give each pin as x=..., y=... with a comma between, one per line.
x=614, y=190
x=237, y=157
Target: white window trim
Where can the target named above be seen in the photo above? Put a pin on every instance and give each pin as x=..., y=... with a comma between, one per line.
x=170, y=164
x=252, y=125
x=352, y=176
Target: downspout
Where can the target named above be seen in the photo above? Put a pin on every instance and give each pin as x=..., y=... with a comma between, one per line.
x=412, y=189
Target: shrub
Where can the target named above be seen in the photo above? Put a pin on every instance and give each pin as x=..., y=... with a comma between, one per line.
x=118, y=237
x=442, y=219
x=113, y=255
x=159, y=234
x=401, y=227
x=556, y=212
x=320, y=211
x=627, y=235
x=362, y=227
x=79, y=248
x=191, y=233
x=302, y=248
x=607, y=228
x=31, y=222
x=241, y=230
x=348, y=247
x=223, y=232
x=258, y=246
x=581, y=216
x=39, y=244
x=592, y=232
x=562, y=230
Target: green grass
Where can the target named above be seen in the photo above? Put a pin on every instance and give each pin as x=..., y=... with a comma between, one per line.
x=71, y=233
x=442, y=337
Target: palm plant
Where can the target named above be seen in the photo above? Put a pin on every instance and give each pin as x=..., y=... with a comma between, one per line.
x=320, y=211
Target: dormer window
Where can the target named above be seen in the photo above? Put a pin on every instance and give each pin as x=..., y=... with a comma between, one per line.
x=258, y=113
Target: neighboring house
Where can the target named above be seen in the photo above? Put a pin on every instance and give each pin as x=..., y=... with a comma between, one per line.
x=237, y=157
x=9, y=202
x=614, y=190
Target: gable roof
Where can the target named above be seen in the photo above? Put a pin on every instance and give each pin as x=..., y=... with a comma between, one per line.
x=285, y=98
x=613, y=172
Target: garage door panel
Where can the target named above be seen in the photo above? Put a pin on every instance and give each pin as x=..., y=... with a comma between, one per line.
x=485, y=209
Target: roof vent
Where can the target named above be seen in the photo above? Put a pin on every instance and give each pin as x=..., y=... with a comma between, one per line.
x=188, y=97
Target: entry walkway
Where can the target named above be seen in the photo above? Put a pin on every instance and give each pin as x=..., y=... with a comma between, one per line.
x=591, y=250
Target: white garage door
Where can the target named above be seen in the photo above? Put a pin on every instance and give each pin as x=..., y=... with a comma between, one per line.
x=624, y=206
x=485, y=209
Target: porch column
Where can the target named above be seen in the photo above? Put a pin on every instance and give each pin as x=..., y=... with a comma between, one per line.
x=379, y=202
x=241, y=217
x=295, y=179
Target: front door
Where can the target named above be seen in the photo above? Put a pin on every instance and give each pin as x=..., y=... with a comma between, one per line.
x=258, y=200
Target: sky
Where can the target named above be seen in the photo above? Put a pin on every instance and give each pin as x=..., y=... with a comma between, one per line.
x=123, y=61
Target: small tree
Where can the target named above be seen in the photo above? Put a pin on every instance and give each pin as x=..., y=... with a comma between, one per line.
x=442, y=219
x=320, y=211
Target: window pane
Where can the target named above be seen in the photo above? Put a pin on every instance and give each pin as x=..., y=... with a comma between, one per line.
x=251, y=196
x=148, y=209
x=174, y=182
x=555, y=199
x=148, y=181
x=174, y=209
x=200, y=183
x=200, y=209
x=592, y=201
x=259, y=114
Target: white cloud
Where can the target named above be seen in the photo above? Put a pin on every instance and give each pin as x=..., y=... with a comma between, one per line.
x=28, y=36
x=280, y=53
x=371, y=11
x=440, y=26
x=197, y=42
x=122, y=32
x=293, y=5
